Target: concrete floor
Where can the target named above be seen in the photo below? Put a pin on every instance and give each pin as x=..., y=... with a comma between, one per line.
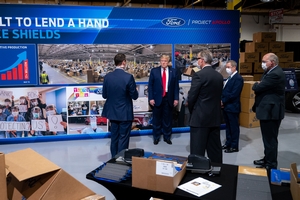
x=82, y=156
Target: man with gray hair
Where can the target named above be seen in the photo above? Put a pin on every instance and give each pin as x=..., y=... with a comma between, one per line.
x=204, y=105
x=269, y=107
x=231, y=106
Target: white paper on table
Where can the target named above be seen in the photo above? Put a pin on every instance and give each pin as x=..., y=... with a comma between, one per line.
x=199, y=186
x=54, y=123
x=165, y=168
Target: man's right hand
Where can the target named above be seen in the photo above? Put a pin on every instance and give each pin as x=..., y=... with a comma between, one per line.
x=152, y=102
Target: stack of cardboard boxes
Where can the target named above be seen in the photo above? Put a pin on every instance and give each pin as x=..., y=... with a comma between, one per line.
x=264, y=42
x=247, y=116
x=250, y=65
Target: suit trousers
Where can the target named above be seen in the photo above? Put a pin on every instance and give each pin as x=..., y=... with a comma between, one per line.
x=232, y=129
x=120, y=133
x=162, y=120
x=269, y=130
x=206, y=138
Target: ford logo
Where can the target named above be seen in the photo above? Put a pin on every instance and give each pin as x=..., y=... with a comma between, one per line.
x=173, y=22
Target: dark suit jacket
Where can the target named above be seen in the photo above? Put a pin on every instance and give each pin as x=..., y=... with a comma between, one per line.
x=155, y=89
x=231, y=94
x=204, y=98
x=269, y=95
x=119, y=89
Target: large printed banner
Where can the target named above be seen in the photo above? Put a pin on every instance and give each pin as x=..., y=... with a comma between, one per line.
x=54, y=59
x=115, y=25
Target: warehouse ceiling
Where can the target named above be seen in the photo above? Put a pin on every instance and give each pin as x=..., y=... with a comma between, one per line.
x=257, y=7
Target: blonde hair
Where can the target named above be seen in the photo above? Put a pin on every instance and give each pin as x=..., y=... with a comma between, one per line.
x=166, y=57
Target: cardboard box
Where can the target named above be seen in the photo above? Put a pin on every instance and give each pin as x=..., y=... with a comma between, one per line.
x=249, y=120
x=257, y=47
x=257, y=77
x=257, y=68
x=39, y=179
x=264, y=37
x=245, y=68
x=3, y=187
x=190, y=70
x=246, y=105
x=276, y=47
x=247, y=77
x=285, y=57
x=249, y=57
x=144, y=176
x=295, y=182
x=290, y=65
x=247, y=91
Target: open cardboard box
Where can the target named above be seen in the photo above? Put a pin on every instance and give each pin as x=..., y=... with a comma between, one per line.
x=295, y=182
x=190, y=71
x=144, y=176
x=37, y=178
x=3, y=188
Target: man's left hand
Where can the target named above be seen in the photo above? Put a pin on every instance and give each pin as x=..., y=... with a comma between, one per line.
x=175, y=103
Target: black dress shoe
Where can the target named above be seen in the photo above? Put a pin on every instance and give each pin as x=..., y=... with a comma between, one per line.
x=231, y=150
x=155, y=142
x=259, y=162
x=168, y=141
x=225, y=146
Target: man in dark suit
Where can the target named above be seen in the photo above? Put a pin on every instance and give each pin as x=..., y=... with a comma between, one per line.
x=269, y=108
x=163, y=96
x=231, y=105
x=204, y=103
x=119, y=88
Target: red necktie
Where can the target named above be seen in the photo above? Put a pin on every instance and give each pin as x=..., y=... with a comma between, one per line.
x=164, y=79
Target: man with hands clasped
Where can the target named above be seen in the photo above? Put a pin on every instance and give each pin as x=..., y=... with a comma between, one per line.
x=231, y=106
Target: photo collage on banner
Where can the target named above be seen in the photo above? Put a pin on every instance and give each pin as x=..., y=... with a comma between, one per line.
x=53, y=67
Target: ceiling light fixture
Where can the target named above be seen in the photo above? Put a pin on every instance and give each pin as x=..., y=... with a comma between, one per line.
x=266, y=1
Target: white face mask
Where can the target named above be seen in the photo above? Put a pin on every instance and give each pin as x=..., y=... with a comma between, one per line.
x=15, y=114
x=94, y=108
x=228, y=70
x=35, y=103
x=22, y=100
x=50, y=112
x=0, y=110
x=264, y=66
x=36, y=115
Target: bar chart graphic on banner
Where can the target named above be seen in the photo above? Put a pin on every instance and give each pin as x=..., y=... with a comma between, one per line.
x=18, y=65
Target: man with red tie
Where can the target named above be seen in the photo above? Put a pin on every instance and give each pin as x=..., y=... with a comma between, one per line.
x=163, y=95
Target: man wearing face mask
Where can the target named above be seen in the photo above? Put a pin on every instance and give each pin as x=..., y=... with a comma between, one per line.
x=2, y=118
x=231, y=105
x=269, y=107
x=36, y=115
x=92, y=128
x=8, y=104
x=204, y=105
x=51, y=110
x=38, y=102
x=17, y=118
x=94, y=110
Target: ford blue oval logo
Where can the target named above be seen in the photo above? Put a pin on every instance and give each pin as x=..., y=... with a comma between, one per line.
x=173, y=22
